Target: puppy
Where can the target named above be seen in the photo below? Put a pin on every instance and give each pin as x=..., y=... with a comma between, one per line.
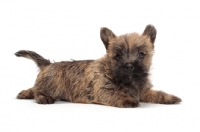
x=120, y=78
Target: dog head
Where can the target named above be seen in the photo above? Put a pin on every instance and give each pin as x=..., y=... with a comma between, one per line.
x=129, y=56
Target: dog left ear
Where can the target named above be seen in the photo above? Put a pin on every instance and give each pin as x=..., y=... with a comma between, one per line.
x=150, y=31
x=106, y=35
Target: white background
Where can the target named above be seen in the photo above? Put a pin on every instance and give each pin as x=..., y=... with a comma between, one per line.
x=64, y=29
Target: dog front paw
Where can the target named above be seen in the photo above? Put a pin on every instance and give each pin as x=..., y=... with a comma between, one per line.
x=171, y=99
x=130, y=104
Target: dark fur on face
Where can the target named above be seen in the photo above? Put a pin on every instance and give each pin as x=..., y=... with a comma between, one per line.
x=130, y=55
x=120, y=78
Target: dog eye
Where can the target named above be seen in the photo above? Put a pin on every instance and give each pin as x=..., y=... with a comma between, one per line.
x=141, y=54
x=117, y=57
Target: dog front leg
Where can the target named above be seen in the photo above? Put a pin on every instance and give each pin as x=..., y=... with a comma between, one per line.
x=159, y=97
x=114, y=98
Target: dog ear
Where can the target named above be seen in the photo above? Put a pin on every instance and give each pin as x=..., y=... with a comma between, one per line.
x=150, y=31
x=106, y=35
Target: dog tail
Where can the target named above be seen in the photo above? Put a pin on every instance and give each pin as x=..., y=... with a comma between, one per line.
x=38, y=59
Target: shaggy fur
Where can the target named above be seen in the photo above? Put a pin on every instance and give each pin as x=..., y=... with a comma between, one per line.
x=120, y=78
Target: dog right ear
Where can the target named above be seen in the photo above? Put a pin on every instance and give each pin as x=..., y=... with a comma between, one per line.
x=106, y=35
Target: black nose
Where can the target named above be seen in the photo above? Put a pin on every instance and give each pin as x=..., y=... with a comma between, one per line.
x=129, y=66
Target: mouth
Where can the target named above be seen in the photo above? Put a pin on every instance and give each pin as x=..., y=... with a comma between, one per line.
x=130, y=77
x=126, y=79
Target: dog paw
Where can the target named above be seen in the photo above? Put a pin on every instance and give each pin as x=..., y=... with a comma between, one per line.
x=21, y=95
x=130, y=104
x=171, y=99
x=44, y=100
x=25, y=94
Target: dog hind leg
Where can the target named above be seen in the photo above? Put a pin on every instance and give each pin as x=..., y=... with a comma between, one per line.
x=26, y=94
x=41, y=98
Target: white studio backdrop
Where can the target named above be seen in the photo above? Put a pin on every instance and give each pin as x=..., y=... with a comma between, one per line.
x=70, y=29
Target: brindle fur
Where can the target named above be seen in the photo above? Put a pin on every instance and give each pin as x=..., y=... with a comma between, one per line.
x=120, y=78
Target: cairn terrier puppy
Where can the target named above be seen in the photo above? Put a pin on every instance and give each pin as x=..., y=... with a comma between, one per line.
x=120, y=78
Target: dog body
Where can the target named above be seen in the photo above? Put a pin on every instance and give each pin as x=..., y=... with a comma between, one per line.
x=120, y=78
